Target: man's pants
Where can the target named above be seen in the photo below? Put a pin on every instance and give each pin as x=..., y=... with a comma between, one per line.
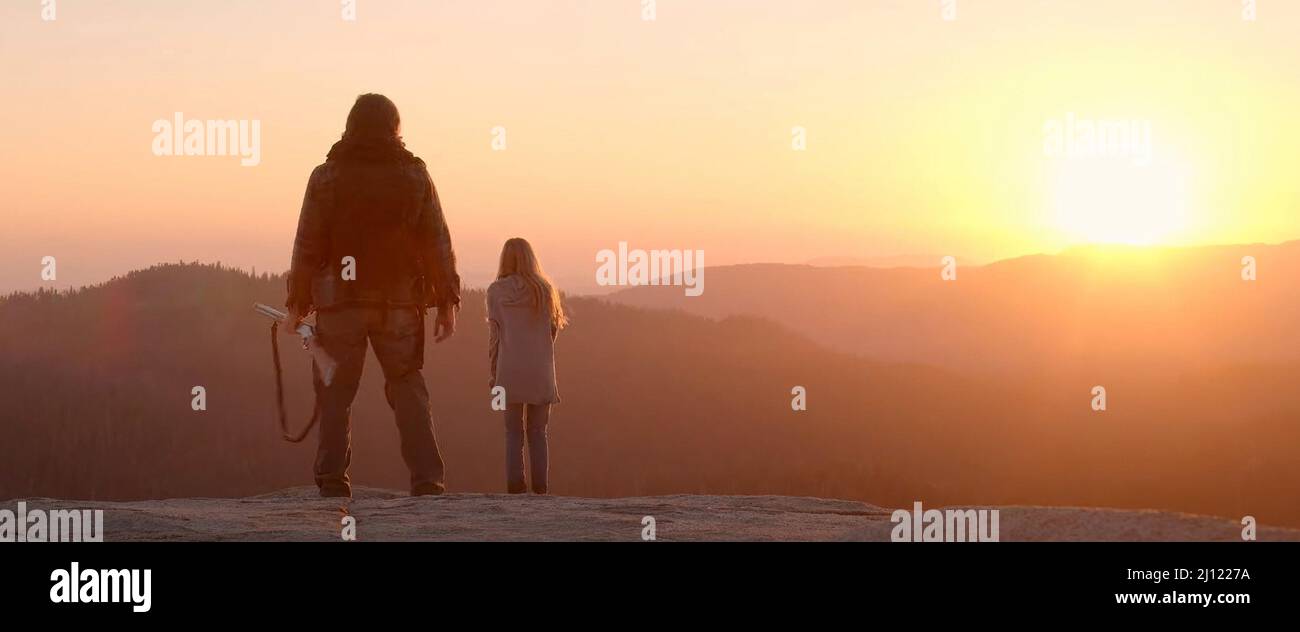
x=397, y=336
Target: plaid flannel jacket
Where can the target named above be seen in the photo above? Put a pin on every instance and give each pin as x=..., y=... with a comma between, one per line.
x=314, y=281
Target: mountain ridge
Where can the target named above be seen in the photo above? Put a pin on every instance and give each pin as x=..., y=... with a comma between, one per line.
x=98, y=391
x=1182, y=306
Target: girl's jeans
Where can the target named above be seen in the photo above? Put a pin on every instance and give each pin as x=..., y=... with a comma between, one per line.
x=538, y=416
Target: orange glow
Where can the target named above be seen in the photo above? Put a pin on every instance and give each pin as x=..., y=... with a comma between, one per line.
x=924, y=136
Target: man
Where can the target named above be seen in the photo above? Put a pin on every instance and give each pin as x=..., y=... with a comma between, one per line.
x=372, y=253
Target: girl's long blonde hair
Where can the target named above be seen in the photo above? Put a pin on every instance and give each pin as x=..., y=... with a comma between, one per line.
x=517, y=257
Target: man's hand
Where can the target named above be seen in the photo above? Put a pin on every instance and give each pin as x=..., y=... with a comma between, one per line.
x=445, y=325
x=293, y=321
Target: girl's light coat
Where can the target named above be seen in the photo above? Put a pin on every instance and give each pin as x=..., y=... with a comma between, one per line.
x=521, y=344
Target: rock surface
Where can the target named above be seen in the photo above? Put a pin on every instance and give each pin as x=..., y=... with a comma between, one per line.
x=297, y=514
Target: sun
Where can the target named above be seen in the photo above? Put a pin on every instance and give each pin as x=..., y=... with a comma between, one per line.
x=1110, y=201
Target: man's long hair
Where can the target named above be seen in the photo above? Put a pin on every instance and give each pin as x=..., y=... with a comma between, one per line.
x=373, y=132
x=373, y=117
x=517, y=257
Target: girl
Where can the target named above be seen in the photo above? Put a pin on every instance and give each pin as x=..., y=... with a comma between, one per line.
x=524, y=317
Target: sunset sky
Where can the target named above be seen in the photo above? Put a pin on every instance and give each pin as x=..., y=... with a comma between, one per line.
x=924, y=135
